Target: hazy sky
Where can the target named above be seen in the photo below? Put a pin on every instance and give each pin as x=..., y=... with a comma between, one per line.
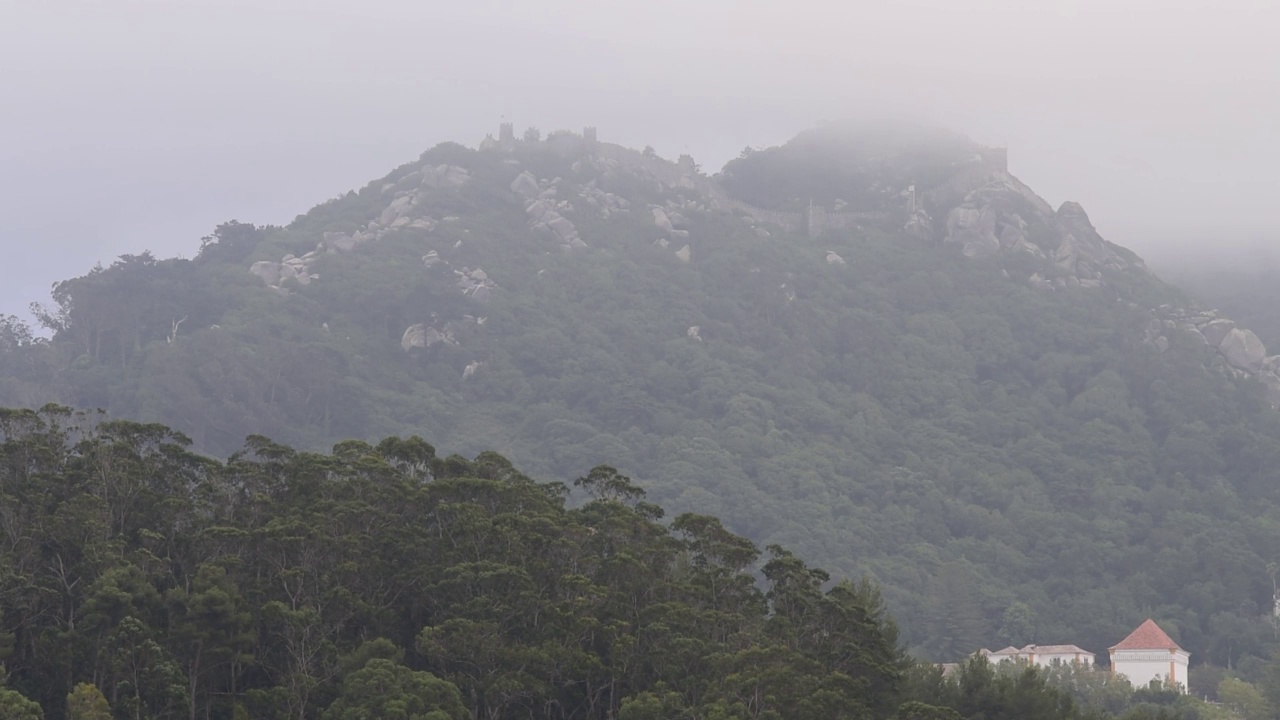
x=128, y=125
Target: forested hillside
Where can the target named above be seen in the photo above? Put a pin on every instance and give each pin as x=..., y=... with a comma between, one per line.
x=140, y=580
x=950, y=387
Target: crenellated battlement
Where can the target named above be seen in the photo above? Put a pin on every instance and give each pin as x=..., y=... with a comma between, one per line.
x=507, y=136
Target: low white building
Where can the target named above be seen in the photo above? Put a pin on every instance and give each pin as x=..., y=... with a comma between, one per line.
x=1150, y=654
x=1041, y=655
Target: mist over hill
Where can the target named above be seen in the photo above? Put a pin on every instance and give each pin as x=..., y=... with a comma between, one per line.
x=1242, y=278
x=875, y=346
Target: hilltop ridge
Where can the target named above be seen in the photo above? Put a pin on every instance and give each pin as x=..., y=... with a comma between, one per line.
x=958, y=193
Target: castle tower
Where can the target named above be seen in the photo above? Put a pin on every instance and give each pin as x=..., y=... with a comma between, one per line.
x=996, y=159
x=507, y=136
x=589, y=134
x=817, y=219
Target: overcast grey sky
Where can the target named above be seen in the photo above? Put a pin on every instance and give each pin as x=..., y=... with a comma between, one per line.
x=133, y=124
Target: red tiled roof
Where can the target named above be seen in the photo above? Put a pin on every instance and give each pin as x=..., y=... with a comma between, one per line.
x=1148, y=636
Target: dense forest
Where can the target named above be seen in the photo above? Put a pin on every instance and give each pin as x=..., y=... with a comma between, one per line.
x=1008, y=463
x=141, y=580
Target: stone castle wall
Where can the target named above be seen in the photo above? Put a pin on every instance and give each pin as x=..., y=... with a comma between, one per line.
x=812, y=222
x=819, y=220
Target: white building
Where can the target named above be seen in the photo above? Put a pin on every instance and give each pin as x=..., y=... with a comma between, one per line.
x=1041, y=655
x=1149, y=654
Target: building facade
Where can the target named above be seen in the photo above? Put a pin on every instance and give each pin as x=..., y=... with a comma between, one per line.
x=1041, y=655
x=1147, y=654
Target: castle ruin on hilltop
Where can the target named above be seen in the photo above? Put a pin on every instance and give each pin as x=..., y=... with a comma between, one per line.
x=813, y=221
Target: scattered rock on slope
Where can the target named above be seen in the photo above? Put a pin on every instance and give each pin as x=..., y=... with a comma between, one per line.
x=1241, y=351
x=422, y=336
x=544, y=211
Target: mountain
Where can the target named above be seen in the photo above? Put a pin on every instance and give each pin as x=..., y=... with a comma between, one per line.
x=872, y=345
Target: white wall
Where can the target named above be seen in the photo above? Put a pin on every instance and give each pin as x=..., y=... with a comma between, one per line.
x=1047, y=659
x=1044, y=659
x=1143, y=666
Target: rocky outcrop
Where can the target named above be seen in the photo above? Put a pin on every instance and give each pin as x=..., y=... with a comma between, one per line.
x=267, y=270
x=1215, y=331
x=834, y=259
x=525, y=185
x=422, y=336
x=400, y=214
x=973, y=226
x=295, y=268
x=1243, y=350
x=475, y=283
x=993, y=218
x=396, y=209
x=1238, y=351
x=543, y=210
x=988, y=211
x=341, y=242
x=1081, y=250
x=666, y=221
x=662, y=221
x=606, y=204
x=444, y=176
x=277, y=275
